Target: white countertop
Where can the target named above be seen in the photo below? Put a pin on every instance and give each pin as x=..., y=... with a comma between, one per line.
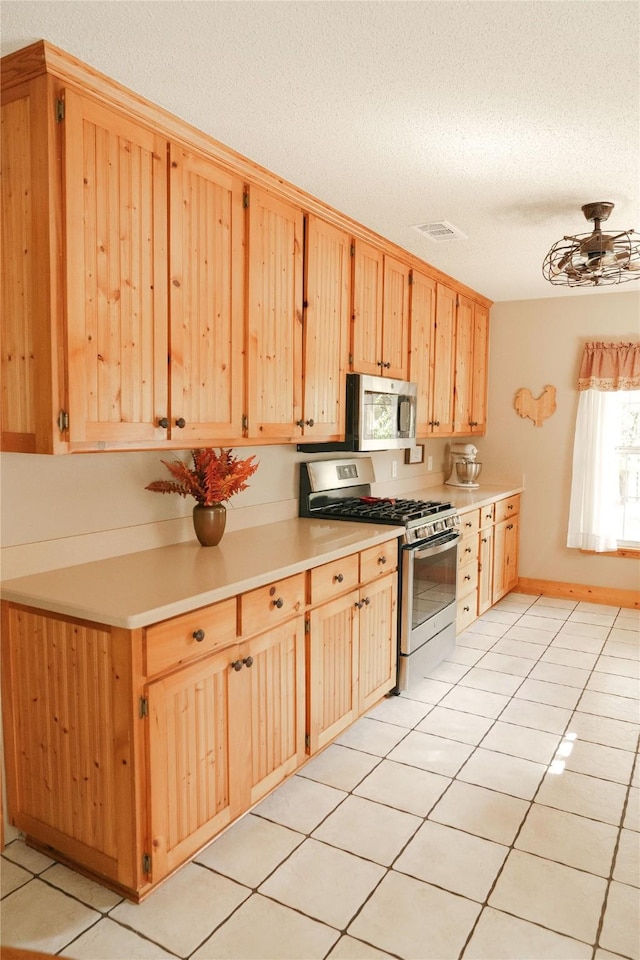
x=137, y=589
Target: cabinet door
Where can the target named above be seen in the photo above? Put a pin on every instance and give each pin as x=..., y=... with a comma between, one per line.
x=442, y=361
x=480, y=369
x=463, y=367
x=332, y=656
x=326, y=329
x=485, y=570
x=395, y=319
x=206, y=250
x=505, y=557
x=268, y=721
x=367, y=309
x=378, y=640
x=423, y=318
x=274, y=350
x=116, y=275
x=194, y=788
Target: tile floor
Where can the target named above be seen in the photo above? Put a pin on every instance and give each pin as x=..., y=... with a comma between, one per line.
x=491, y=812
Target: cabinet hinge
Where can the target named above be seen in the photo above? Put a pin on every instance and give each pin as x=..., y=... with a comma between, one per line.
x=410, y=277
x=146, y=863
x=352, y=250
x=245, y=422
x=307, y=740
x=307, y=626
x=144, y=708
x=59, y=110
x=350, y=359
x=63, y=421
x=245, y=199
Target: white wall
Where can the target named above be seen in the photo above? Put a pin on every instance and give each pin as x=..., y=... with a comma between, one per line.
x=533, y=343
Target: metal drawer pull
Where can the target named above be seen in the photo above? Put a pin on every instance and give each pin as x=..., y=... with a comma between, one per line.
x=509, y=526
x=338, y=578
x=468, y=576
x=279, y=603
x=466, y=609
x=382, y=559
x=164, y=423
x=237, y=664
x=198, y=635
x=181, y=423
x=509, y=506
x=467, y=549
x=468, y=523
x=366, y=601
x=248, y=661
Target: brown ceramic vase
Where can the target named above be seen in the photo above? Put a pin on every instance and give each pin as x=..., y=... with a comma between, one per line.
x=209, y=523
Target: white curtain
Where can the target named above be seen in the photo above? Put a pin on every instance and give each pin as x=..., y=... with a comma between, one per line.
x=592, y=520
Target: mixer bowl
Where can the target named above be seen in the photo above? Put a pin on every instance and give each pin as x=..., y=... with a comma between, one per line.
x=468, y=471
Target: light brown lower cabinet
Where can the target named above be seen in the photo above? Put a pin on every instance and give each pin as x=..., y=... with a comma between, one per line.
x=127, y=751
x=487, y=558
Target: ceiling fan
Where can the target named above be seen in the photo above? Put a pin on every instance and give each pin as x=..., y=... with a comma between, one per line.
x=594, y=259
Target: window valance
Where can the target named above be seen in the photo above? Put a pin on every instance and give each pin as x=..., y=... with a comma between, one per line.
x=610, y=366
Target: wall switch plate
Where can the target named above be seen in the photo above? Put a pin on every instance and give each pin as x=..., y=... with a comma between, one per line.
x=414, y=454
x=394, y=469
x=429, y=463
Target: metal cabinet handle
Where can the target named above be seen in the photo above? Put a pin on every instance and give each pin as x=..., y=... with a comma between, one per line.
x=382, y=559
x=198, y=635
x=300, y=423
x=310, y=423
x=509, y=526
x=248, y=661
x=468, y=523
x=434, y=423
x=181, y=423
x=467, y=549
x=387, y=365
x=358, y=604
x=366, y=601
x=467, y=576
x=237, y=664
x=338, y=578
x=466, y=609
x=484, y=539
x=164, y=423
x=509, y=506
x=279, y=603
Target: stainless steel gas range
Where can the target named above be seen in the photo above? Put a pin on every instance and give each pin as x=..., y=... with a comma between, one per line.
x=341, y=490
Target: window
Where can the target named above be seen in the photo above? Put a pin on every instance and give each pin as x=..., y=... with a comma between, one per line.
x=604, y=514
x=627, y=528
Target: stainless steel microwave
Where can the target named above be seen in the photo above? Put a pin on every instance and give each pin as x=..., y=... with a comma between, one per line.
x=381, y=413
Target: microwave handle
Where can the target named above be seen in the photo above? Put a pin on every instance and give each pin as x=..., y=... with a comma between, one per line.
x=404, y=415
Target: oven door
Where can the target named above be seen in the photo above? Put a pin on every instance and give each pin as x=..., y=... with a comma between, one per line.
x=427, y=590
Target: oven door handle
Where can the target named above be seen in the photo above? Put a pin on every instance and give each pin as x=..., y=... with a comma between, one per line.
x=431, y=551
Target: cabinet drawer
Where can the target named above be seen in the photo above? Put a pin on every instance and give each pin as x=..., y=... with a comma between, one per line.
x=469, y=523
x=467, y=551
x=333, y=578
x=508, y=507
x=467, y=579
x=262, y=608
x=487, y=515
x=466, y=612
x=176, y=641
x=376, y=561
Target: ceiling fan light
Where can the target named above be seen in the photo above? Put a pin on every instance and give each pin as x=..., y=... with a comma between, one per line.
x=596, y=258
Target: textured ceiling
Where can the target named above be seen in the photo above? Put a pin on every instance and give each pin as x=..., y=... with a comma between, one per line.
x=501, y=117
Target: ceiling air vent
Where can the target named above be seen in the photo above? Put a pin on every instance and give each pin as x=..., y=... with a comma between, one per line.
x=439, y=231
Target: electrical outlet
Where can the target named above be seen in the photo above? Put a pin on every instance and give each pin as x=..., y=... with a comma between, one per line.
x=429, y=463
x=394, y=469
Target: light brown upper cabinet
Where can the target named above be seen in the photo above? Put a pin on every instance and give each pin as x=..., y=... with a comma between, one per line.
x=145, y=307
x=326, y=329
x=433, y=317
x=472, y=324
x=274, y=348
x=380, y=343
x=138, y=340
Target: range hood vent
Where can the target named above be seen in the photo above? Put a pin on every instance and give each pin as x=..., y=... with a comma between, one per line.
x=439, y=231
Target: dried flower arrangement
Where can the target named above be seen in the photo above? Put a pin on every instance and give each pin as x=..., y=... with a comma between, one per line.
x=213, y=478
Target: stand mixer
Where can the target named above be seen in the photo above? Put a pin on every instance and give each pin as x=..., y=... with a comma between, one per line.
x=464, y=468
